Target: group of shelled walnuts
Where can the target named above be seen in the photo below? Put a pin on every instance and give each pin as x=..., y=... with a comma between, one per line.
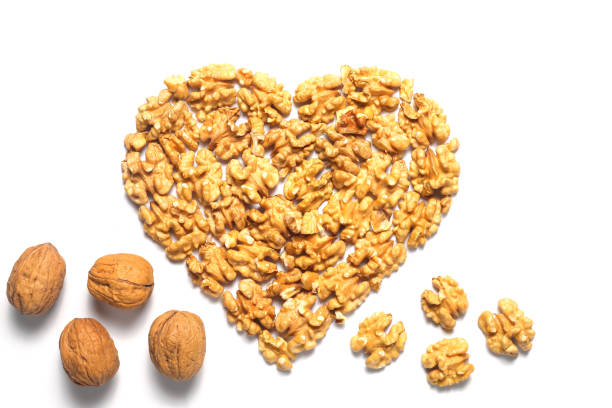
x=177, y=340
x=345, y=186
x=446, y=360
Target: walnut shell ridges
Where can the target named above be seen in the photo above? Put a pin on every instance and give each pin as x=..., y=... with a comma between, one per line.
x=177, y=344
x=88, y=353
x=121, y=280
x=36, y=280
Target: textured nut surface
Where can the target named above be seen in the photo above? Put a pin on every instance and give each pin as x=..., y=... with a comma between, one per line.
x=360, y=167
x=36, y=280
x=121, y=280
x=382, y=348
x=88, y=353
x=177, y=344
x=501, y=329
x=443, y=307
x=447, y=362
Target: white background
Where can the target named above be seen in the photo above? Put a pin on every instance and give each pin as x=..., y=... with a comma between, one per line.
x=527, y=91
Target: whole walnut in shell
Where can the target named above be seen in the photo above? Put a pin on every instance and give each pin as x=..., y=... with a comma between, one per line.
x=88, y=353
x=121, y=280
x=177, y=344
x=36, y=280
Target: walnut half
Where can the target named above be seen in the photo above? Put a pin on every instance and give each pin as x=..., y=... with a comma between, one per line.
x=442, y=307
x=381, y=347
x=447, y=362
x=502, y=328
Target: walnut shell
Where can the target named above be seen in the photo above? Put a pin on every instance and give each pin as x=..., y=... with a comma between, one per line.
x=177, y=344
x=121, y=280
x=88, y=353
x=36, y=280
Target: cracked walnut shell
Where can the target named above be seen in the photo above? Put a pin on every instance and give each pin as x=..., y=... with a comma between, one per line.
x=502, y=328
x=121, y=280
x=443, y=307
x=177, y=344
x=447, y=362
x=381, y=347
x=88, y=353
x=36, y=280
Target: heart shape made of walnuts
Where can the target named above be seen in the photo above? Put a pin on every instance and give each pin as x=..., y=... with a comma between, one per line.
x=349, y=195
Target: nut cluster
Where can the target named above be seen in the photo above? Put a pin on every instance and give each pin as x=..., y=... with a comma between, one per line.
x=209, y=150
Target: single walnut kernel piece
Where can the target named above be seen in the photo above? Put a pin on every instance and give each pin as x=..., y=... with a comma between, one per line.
x=225, y=138
x=321, y=97
x=303, y=185
x=177, y=344
x=299, y=325
x=381, y=347
x=344, y=288
x=255, y=179
x=447, y=362
x=371, y=89
x=151, y=176
x=351, y=122
x=36, y=280
x=275, y=351
x=121, y=280
x=442, y=307
x=379, y=255
x=435, y=172
x=425, y=122
x=213, y=271
x=88, y=353
x=212, y=87
x=251, y=309
x=291, y=143
x=262, y=99
x=418, y=220
x=502, y=329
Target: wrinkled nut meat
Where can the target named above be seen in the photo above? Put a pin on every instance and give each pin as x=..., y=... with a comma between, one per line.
x=349, y=172
x=505, y=329
x=121, y=280
x=382, y=348
x=88, y=353
x=449, y=303
x=447, y=362
x=177, y=344
x=36, y=280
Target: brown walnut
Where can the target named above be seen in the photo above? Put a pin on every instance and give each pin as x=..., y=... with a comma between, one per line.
x=36, y=280
x=88, y=353
x=177, y=344
x=121, y=280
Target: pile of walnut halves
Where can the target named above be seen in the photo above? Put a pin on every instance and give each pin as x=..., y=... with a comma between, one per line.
x=347, y=193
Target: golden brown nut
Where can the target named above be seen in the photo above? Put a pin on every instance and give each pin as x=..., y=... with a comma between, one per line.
x=88, y=353
x=502, y=328
x=447, y=362
x=425, y=122
x=121, y=280
x=442, y=307
x=177, y=344
x=36, y=280
x=299, y=325
x=251, y=309
x=382, y=348
x=275, y=351
x=320, y=97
